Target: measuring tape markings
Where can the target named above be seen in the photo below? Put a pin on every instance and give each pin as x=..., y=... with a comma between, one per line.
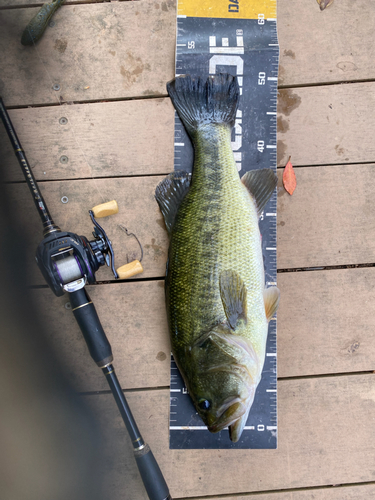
x=240, y=38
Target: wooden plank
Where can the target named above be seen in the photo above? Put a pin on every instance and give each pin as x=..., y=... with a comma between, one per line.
x=93, y=140
x=328, y=220
x=136, y=137
x=326, y=436
x=330, y=46
x=325, y=125
x=321, y=328
x=358, y=492
x=93, y=46
x=94, y=51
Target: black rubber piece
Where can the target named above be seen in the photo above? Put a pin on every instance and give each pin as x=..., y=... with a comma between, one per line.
x=91, y=328
x=152, y=476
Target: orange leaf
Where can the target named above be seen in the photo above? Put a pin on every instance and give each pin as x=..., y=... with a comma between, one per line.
x=289, y=178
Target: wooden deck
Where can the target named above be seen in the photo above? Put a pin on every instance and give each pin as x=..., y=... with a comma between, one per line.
x=112, y=61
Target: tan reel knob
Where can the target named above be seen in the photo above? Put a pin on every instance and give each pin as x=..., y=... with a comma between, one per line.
x=128, y=270
x=105, y=209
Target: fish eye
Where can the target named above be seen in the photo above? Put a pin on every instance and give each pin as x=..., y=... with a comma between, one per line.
x=204, y=404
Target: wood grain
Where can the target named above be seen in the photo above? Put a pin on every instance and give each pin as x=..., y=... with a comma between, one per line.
x=93, y=140
x=94, y=51
x=328, y=221
x=321, y=323
x=325, y=125
x=321, y=328
x=316, y=125
x=124, y=49
x=329, y=46
x=326, y=436
x=322, y=224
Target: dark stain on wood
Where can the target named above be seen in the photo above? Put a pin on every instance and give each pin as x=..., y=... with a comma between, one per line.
x=282, y=125
x=158, y=250
x=281, y=151
x=161, y=223
x=161, y=356
x=290, y=53
x=352, y=347
x=288, y=101
x=61, y=45
x=339, y=150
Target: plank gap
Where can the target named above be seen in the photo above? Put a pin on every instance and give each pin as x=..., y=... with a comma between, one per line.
x=41, y=181
x=329, y=164
x=324, y=84
x=327, y=375
x=277, y=492
x=324, y=268
x=92, y=101
x=125, y=391
x=130, y=280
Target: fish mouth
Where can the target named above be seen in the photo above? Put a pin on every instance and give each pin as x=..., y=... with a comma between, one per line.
x=230, y=412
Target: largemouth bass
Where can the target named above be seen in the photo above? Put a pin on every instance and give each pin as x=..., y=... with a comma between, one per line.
x=217, y=305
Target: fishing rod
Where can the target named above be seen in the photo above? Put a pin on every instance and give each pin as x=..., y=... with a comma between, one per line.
x=68, y=262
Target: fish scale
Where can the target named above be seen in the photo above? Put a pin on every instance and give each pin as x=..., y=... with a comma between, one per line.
x=212, y=39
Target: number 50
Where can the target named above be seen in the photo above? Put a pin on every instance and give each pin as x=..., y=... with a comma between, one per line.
x=261, y=78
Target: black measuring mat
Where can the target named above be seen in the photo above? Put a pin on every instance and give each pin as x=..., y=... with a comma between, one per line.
x=239, y=38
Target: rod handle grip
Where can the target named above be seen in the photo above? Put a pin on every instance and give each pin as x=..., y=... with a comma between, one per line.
x=128, y=270
x=151, y=474
x=88, y=320
x=105, y=209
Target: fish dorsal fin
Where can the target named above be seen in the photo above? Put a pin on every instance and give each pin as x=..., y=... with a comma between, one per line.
x=169, y=194
x=271, y=301
x=260, y=184
x=233, y=295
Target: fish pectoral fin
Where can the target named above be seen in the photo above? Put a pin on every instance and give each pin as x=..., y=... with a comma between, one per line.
x=271, y=301
x=260, y=184
x=233, y=295
x=169, y=194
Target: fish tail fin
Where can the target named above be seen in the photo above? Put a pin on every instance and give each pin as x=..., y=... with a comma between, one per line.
x=202, y=101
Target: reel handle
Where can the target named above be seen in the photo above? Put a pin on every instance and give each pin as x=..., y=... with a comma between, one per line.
x=88, y=320
x=127, y=270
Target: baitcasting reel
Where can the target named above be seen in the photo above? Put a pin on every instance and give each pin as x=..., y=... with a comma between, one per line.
x=68, y=261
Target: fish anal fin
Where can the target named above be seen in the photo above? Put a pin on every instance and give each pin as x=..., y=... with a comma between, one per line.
x=271, y=301
x=260, y=184
x=169, y=194
x=233, y=295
